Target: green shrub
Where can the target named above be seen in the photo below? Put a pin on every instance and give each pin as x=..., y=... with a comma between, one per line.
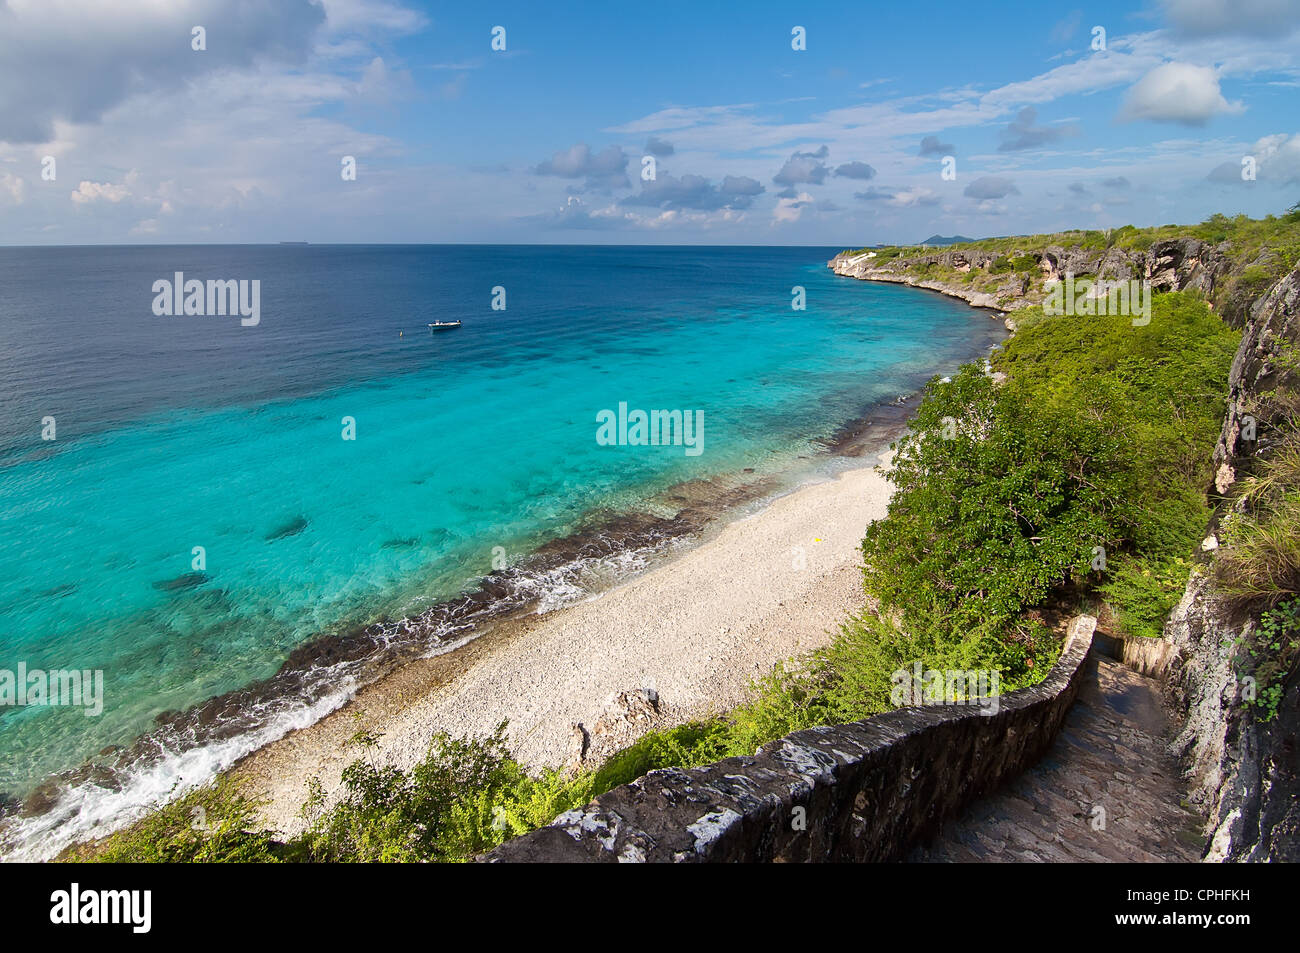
x=214, y=824
x=1274, y=649
x=465, y=797
x=1100, y=441
x=1143, y=592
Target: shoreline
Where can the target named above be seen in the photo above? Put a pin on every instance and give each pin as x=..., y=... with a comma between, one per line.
x=476, y=623
x=855, y=266
x=694, y=630
x=477, y=635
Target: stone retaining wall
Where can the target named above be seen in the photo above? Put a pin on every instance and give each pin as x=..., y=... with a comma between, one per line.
x=864, y=791
x=1146, y=656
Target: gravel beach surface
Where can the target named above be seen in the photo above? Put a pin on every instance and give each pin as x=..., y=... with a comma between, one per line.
x=696, y=629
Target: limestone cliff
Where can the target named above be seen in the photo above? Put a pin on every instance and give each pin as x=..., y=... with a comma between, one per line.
x=1243, y=769
x=969, y=273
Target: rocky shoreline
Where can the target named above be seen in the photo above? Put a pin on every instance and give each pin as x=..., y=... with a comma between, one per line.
x=1180, y=264
x=848, y=265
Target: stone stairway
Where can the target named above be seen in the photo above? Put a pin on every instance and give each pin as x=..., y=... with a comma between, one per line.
x=1107, y=789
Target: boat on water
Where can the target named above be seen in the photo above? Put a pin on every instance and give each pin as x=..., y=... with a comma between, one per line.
x=443, y=325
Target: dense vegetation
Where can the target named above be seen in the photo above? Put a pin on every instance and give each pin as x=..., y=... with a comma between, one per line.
x=1259, y=252
x=1071, y=472
x=1245, y=239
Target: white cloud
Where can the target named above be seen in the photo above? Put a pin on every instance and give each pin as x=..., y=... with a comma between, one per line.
x=1178, y=92
x=790, y=210
x=13, y=186
x=1278, y=158
x=90, y=192
x=910, y=197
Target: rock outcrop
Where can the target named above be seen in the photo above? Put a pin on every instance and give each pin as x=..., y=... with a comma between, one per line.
x=1265, y=363
x=626, y=717
x=1243, y=768
x=1172, y=265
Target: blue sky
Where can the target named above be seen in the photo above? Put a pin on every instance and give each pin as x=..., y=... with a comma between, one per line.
x=840, y=143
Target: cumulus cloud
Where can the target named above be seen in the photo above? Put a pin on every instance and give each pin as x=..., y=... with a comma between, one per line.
x=1221, y=17
x=658, y=147
x=88, y=193
x=1118, y=182
x=75, y=60
x=1025, y=133
x=1177, y=92
x=855, y=170
x=1278, y=157
x=13, y=186
x=604, y=169
x=696, y=192
x=1277, y=161
x=790, y=209
x=574, y=214
x=1078, y=188
x=807, y=167
x=931, y=146
x=991, y=187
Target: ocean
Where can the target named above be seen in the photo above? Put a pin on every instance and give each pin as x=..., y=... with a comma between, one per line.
x=236, y=522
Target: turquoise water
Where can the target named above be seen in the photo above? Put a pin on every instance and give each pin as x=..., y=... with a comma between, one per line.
x=183, y=432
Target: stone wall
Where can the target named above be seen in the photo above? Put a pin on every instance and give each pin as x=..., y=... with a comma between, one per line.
x=1150, y=657
x=864, y=791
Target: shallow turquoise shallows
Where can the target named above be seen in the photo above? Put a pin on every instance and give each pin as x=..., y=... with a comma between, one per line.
x=180, y=432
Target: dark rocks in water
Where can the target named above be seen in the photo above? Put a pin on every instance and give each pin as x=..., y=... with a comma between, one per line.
x=188, y=580
x=291, y=528
x=41, y=800
x=9, y=804
x=66, y=589
x=400, y=543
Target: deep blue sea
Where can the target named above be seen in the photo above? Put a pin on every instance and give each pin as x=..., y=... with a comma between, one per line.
x=474, y=450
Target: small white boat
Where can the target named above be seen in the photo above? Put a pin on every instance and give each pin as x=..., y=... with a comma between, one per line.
x=443, y=325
